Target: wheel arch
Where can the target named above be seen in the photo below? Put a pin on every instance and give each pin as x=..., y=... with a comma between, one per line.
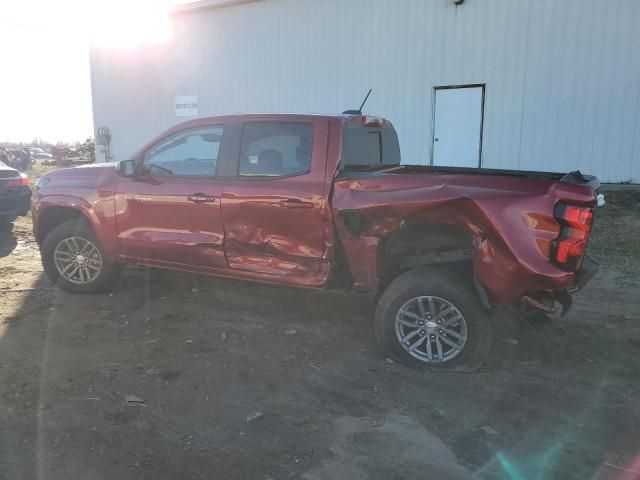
x=53, y=210
x=54, y=215
x=421, y=245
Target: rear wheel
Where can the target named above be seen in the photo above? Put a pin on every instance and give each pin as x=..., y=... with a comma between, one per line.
x=74, y=260
x=432, y=317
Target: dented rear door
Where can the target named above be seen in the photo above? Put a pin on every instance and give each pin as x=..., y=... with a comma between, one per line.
x=274, y=207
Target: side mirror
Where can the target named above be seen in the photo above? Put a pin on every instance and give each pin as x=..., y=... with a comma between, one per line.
x=126, y=168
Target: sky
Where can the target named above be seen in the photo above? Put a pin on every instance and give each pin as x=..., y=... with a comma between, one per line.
x=45, y=86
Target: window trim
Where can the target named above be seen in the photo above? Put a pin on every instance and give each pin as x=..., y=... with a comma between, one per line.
x=180, y=132
x=272, y=177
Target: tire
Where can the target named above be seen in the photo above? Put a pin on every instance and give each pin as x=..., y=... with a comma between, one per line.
x=95, y=273
x=457, y=310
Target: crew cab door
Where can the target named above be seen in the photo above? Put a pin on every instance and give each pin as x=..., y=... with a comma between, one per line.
x=169, y=212
x=273, y=207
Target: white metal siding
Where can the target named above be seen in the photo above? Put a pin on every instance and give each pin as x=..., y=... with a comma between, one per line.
x=562, y=76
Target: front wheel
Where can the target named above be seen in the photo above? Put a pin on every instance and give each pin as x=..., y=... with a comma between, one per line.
x=432, y=317
x=73, y=259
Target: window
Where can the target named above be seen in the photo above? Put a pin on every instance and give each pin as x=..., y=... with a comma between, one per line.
x=191, y=153
x=370, y=147
x=362, y=147
x=275, y=149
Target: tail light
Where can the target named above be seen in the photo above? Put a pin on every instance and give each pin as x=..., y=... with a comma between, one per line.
x=575, y=222
x=371, y=122
x=23, y=180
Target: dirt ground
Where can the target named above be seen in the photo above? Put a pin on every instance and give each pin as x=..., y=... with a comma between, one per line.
x=175, y=376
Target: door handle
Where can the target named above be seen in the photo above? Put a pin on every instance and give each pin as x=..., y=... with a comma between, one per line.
x=295, y=203
x=201, y=198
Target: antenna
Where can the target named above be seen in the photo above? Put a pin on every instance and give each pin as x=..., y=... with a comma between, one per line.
x=365, y=100
x=359, y=111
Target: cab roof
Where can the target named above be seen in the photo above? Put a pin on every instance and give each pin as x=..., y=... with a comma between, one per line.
x=348, y=119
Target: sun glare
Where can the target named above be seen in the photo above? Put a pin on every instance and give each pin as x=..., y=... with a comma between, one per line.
x=44, y=45
x=116, y=23
x=123, y=24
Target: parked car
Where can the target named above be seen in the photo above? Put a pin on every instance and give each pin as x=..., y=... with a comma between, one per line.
x=15, y=194
x=324, y=202
x=69, y=157
x=48, y=160
x=42, y=156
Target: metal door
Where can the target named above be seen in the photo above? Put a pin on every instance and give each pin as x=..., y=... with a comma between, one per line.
x=170, y=214
x=457, y=126
x=274, y=210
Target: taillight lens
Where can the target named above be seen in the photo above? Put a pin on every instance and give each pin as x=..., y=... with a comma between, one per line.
x=17, y=182
x=568, y=249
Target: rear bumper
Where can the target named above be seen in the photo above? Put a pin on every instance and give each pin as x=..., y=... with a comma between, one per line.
x=17, y=203
x=548, y=301
x=587, y=271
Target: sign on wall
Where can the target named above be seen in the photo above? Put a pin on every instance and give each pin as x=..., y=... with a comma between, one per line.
x=186, y=106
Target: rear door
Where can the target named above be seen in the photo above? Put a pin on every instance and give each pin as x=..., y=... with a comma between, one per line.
x=170, y=214
x=273, y=206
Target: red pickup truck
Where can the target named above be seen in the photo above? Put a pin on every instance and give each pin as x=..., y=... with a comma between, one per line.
x=324, y=202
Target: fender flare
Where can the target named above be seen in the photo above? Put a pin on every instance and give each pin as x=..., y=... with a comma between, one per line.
x=75, y=203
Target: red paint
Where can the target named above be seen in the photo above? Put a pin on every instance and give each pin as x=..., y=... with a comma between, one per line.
x=286, y=230
x=278, y=227
x=156, y=220
x=510, y=220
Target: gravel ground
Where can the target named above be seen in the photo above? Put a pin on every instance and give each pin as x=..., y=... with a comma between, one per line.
x=175, y=376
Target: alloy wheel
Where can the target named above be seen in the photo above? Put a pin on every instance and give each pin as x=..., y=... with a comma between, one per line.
x=431, y=329
x=78, y=260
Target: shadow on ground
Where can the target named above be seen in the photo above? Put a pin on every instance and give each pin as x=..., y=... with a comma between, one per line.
x=8, y=240
x=236, y=380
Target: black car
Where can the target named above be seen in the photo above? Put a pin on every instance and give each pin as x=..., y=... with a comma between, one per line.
x=15, y=194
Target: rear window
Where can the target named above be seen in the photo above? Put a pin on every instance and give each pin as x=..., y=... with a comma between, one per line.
x=370, y=147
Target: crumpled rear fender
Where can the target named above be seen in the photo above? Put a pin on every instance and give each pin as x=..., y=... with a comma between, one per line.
x=511, y=230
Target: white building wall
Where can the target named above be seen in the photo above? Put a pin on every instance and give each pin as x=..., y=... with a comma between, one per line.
x=562, y=76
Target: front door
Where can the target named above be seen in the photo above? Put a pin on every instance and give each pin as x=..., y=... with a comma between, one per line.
x=170, y=213
x=275, y=216
x=457, y=133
